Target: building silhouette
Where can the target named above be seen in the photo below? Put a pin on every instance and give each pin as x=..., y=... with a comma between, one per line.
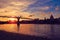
x=51, y=17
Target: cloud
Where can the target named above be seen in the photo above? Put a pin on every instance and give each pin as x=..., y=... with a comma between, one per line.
x=27, y=7
x=5, y=3
x=10, y=10
x=57, y=8
x=41, y=1
x=35, y=9
x=14, y=7
x=41, y=15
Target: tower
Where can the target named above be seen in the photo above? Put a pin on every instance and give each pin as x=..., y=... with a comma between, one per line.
x=51, y=17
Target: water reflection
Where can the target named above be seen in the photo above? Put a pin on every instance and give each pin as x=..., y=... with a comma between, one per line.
x=33, y=29
x=18, y=27
x=8, y=27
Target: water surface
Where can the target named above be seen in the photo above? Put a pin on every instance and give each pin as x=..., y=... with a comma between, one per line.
x=46, y=30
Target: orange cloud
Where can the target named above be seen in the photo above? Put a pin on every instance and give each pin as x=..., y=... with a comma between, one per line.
x=16, y=7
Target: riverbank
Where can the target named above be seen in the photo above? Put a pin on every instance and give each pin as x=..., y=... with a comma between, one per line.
x=15, y=36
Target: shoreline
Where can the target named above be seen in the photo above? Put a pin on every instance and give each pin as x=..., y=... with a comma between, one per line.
x=15, y=36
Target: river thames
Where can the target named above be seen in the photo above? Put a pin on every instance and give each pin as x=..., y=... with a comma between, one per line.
x=44, y=30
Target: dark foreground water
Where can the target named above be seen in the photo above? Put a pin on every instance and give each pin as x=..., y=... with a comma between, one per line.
x=43, y=30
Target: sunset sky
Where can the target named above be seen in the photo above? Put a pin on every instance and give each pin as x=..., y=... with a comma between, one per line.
x=37, y=8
